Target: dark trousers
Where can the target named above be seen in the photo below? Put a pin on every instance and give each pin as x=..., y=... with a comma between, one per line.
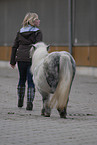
x=25, y=74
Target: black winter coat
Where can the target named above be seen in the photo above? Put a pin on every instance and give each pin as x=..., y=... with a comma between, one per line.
x=21, y=47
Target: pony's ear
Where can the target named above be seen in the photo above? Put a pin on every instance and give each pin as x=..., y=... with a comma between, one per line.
x=31, y=45
x=48, y=46
x=31, y=52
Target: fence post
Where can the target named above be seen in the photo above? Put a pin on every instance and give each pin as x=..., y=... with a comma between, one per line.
x=70, y=24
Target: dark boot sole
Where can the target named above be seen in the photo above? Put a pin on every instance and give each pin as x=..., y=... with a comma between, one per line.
x=29, y=106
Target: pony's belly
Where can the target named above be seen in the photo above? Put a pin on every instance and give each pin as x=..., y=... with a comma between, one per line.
x=40, y=80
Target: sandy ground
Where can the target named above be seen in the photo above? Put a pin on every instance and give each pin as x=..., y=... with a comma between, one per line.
x=21, y=127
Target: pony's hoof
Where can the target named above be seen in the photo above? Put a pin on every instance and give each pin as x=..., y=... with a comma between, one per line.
x=62, y=113
x=47, y=114
x=44, y=113
x=63, y=116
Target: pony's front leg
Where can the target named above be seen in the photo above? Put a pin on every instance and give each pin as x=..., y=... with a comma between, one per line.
x=46, y=110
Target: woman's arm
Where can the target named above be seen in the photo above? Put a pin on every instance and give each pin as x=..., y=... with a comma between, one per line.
x=14, y=49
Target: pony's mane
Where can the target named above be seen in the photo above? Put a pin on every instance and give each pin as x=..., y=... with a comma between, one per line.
x=39, y=53
x=40, y=44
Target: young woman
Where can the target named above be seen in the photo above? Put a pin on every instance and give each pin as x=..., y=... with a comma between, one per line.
x=28, y=34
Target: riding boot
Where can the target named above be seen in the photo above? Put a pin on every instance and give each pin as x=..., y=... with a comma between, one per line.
x=21, y=93
x=30, y=98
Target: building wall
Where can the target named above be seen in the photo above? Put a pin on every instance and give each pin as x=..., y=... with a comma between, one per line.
x=85, y=23
x=53, y=16
x=54, y=26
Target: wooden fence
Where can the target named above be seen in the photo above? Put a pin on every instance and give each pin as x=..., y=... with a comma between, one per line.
x=84, y=56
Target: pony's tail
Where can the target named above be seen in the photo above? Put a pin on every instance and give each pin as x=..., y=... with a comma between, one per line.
x=61, y=95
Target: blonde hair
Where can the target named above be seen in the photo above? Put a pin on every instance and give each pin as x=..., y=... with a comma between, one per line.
x=29, y=19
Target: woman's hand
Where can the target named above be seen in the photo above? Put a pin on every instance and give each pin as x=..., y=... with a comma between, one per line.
x=13, y=66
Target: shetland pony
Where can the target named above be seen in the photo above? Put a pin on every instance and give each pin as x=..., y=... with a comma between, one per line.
x=53, y=73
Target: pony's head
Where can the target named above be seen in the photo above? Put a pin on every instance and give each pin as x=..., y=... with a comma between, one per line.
x=39, y=45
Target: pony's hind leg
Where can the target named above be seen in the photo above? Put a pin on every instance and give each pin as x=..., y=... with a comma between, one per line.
x=63, y=111
x=46, y=110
